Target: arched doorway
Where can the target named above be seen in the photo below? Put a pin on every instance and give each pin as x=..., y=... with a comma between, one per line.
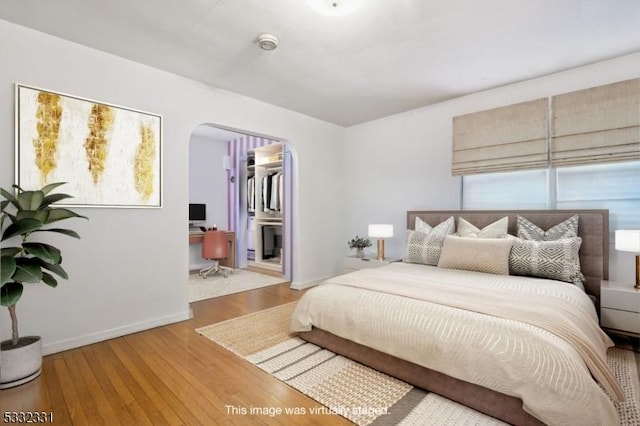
x=225, y=152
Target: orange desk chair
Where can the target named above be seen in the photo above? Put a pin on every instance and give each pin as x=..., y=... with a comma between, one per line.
x=215, y=247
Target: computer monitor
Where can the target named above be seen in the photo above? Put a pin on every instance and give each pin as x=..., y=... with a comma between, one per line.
x=197, y=212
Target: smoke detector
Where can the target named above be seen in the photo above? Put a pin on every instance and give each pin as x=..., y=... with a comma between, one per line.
x=268, y=41
x=334, y=7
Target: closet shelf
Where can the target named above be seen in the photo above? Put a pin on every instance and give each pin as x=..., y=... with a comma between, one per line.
x=269, y=219
x=265, y=190
x=273, y=165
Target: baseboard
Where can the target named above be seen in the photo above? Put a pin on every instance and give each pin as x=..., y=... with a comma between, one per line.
x=63, y=345
x=298, y=285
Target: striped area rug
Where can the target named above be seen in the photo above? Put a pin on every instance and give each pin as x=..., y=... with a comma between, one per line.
x=359, y=393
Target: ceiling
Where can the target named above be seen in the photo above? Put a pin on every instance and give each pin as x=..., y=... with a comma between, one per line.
x=382, y=58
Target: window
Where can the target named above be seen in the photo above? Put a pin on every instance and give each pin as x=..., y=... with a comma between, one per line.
x=613, y=186
x=525, y=189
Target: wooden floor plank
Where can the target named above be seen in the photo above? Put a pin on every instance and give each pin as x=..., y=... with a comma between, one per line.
x=175, y=377
x=130, y=393
x=49, y=381
x=168, y=375
x=101, y=409
x=74, y=396
x=162, y=397
x=103, y=390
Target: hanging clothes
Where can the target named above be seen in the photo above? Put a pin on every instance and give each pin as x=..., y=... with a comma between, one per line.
x=270, y=192
x=276, y=191
x=251, y=194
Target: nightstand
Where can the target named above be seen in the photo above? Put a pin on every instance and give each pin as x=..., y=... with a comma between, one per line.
x=354, y=263
x=620, y=307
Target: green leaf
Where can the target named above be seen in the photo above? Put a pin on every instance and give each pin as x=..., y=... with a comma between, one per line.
x=10, y=293
x=54, y=198
x=68, y=232
x=45, y=252
x=3, y=205
x=27, y=271
x=49, y=280
x=9, y=197
x=56, y=214
x=41, y=215
x=10, y=251
x=47, y=189
x=55, y=268
x=21, y=227
x=7, y=268
x=30, y=200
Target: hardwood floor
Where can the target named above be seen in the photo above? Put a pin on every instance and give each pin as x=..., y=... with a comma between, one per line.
x=169, y=375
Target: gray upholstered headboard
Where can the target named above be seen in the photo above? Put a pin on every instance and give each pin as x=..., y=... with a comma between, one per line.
x=593, y=228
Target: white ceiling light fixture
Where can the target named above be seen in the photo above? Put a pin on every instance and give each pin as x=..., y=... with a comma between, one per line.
x=334, y=7
x=268, y=41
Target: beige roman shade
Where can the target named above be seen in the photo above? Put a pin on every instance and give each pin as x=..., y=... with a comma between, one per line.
x=507, y=138
x=596, y=125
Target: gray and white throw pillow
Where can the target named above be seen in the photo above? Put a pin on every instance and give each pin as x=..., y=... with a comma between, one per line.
x=530, y=231
x=565, y=229
x=425, y=245
x=557, y=260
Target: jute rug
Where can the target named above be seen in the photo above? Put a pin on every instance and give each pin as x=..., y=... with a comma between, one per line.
x=216, y=285
x=361, y=394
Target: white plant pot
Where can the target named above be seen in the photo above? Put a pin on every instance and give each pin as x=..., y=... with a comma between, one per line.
x=21, y=364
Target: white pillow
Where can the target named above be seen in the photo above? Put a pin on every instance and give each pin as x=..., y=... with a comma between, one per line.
x=497, y=229
x=422, y=226
x=489, y=255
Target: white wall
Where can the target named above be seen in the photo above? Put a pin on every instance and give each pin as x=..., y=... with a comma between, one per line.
x=129, y=270
x=207, y=178
x=403, y=162
x=207, y=185
x=397, y=164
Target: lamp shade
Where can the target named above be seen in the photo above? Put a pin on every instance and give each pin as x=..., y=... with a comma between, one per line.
x=628, y=240
x=380, y=231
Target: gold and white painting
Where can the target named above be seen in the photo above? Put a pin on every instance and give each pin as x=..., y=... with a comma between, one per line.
x=110, y=156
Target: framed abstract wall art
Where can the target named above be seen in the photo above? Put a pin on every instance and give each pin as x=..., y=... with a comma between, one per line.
x=110, y=156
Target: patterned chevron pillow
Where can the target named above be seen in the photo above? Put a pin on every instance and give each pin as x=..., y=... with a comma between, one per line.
x=565, y=229
x=424, y=245
x=530, y=231
x=557, y=260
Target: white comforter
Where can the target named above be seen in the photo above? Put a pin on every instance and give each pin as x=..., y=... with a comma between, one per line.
x=509, y=356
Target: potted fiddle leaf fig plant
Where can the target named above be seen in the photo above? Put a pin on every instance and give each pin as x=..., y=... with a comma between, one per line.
x=27, y=261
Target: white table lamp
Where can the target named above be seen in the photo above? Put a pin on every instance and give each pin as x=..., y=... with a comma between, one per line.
x=629, y=240
x=381, y=232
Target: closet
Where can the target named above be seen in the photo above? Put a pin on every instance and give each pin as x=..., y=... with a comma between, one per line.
x=265, y=193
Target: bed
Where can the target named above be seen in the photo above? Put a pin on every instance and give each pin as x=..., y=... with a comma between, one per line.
x=496, y=343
